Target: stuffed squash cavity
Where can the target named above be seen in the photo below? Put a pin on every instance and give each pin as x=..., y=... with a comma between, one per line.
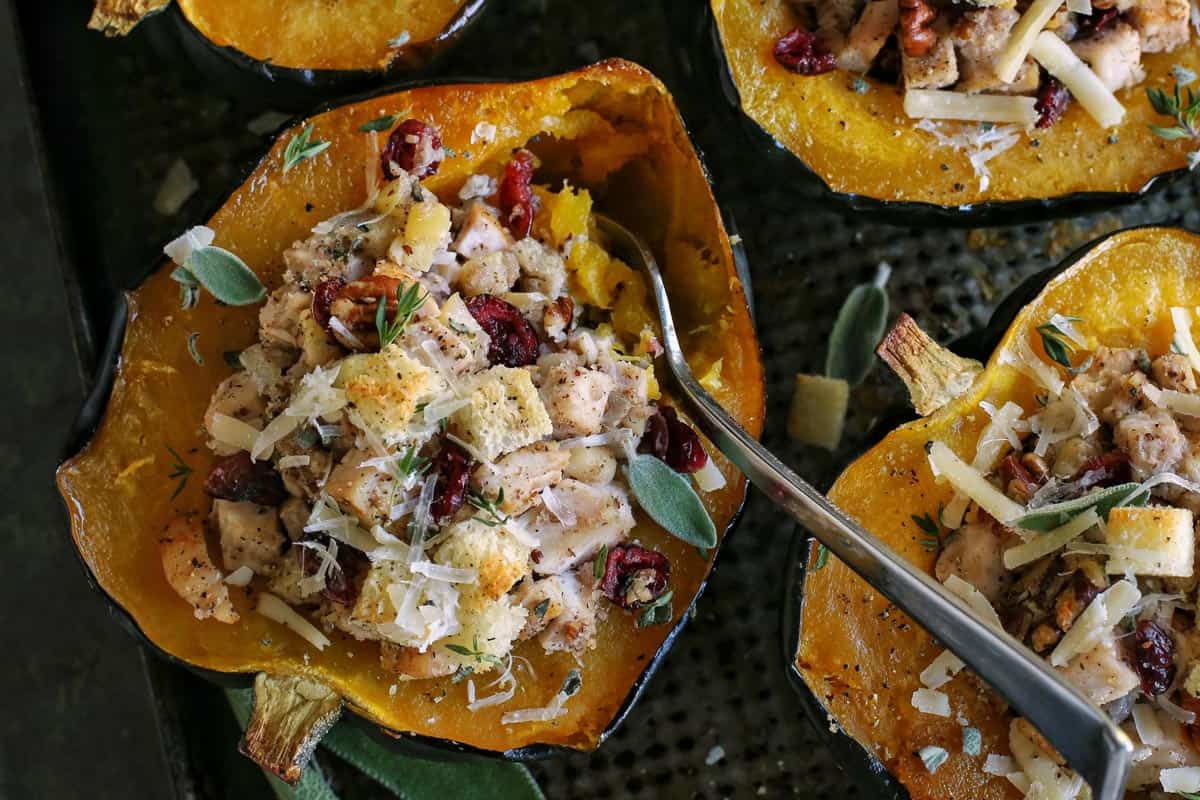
x=402, y=475
x=1056, y=495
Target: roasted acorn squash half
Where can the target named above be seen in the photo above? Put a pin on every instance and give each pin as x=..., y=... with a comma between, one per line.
x=611, y=128
x=853, y=656
x=867, y=153
x=288, y=53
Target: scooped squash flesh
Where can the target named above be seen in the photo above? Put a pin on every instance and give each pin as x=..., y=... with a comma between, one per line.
x=860, y=655
x=865, y=145
x=611, y=128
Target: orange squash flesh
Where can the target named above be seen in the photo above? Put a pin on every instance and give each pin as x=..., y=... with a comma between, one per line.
x=858, y=653
x=320, y=35
x=865, y=145
x=611, y=128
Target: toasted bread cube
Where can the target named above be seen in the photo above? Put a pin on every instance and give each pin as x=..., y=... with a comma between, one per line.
x=493, y=552
x=492, y=628
x=818, y=410
x=386, y=388
x=1162, y=541
x=505, y=413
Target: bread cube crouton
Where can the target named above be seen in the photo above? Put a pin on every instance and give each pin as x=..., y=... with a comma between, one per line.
x=1152, y=541
x=494, y=553
x=250, y=535
x=385, y=388
x=489, y=630
x=505, y=413
x=363, y=491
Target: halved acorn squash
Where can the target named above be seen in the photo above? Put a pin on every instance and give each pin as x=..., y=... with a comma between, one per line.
x=869, y=155
x=857, y=653
x=311, y=44
x=611, y=128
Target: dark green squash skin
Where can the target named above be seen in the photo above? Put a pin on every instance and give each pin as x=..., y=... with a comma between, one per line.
x=696, y=19
x=403, y=743
x=291, y=89
x=867, y=771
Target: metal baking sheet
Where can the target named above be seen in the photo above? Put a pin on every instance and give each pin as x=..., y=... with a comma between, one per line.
x=720, y=719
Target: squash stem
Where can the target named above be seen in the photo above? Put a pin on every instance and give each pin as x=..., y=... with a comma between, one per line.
x=291, y=714
x=934, y=375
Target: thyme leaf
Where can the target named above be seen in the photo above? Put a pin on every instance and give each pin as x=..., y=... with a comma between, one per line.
x=407, y=302
x=301, y=148
x=180, y=472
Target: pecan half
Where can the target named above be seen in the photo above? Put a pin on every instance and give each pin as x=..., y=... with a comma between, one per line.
x=917, y=36
x=356, y=304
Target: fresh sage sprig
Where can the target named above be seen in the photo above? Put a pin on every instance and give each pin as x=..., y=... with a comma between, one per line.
x=222, y=273
x=301, y=148
x=1183, y=106
x=669, y=499
x=856, y=332
x=1053, y=515
x=659, y=612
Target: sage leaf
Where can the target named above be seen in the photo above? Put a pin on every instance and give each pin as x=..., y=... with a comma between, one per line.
x=1053, y=515
x=669, y=499
x=857, y=331
x=225, y=276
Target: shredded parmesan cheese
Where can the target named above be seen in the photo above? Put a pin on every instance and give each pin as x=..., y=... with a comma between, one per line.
x=180, y=249
x=1051, y=541
x=941, y=104
x=1060, y=61
x=1146, y=723
x=999, y=765
x=1025, y=361
x=973, y=598
x=275, y=609
x=709, y=478
x=928, y=701
x=1180, y=779
x=980, y=144
x=970, y=482
x=941, y=670
x=1098, y=619
x=233, y=432
x=240, y=576
x=291, y=462
x=1022, y=37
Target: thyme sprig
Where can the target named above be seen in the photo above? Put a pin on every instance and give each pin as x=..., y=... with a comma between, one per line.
x=474, y=652
x=1183, y=106
x=180, y=472
x=411, y=464
x=490, y=515
x=408, y=300
x=1059, y=346
x=302, y=148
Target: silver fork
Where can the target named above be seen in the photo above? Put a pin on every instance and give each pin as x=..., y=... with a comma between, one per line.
x=1089, y=740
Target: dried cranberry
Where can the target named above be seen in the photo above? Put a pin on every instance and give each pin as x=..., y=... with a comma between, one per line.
x=514, y=342
x=516, y=194
x=1095, y=23
x=343, y=583
x=1052, y=101
x=1154, y=657
x=1013, y=470
x=634, y=576
x=673, y=442
x=322, y=299
x=1110, y=469
x=453, y=467
x=238, y=478
x=414, y=147
x=804, y=53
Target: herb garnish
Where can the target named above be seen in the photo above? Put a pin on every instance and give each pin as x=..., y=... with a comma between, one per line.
x=492, y=515
x=411, y=464
x=233, y=359
x=541, y=608
x=933, y=540
x=407, y=303
x=669, y=499
x=860, y=85
x=193, y=350
x=600, y=562
x=180, y=472
x=462, y=673
x=822, y=556
x=383, y=123
x=1183, y=107
x=657, y=613
x=300, y=148
x=1059, y=347
x=856, y=332
x=474, y=652
x=225, y=276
